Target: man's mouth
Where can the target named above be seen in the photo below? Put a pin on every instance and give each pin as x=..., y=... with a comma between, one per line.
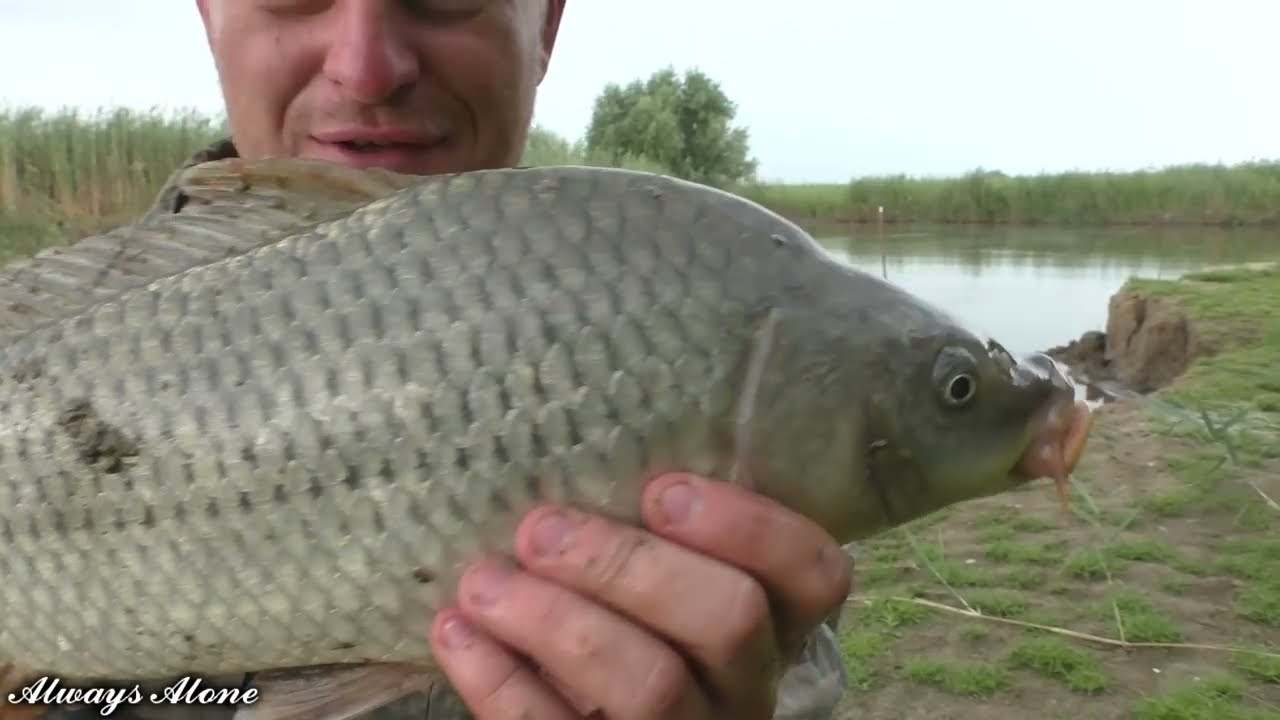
x=375, y=145
x=402, y=150
x=374, y=135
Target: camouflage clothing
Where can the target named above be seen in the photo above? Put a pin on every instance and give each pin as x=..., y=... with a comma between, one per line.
x=810, y=690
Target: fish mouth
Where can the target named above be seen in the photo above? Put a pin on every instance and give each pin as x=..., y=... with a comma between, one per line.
x=1057, y=444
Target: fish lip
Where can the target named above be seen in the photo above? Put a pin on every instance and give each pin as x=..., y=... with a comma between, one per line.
x=1056, y=445
x=1058, y=429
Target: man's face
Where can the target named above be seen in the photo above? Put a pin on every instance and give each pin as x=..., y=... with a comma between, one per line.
x=419, y=86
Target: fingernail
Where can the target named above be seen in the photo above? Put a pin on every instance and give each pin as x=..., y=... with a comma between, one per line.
x=486, y=583
x=456, y=633
x=551, y=533
x=679, y=502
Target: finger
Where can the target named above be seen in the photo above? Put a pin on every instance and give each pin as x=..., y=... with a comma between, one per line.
x=605, y=661
x=492, y=681
x=805, y=572
x=716, y=614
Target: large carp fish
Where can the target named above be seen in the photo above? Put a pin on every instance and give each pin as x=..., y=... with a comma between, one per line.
x=266, y=432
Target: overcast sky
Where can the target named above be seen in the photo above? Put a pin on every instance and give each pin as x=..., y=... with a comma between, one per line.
x=828, y=88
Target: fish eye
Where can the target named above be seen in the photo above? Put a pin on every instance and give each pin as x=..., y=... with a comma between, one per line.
x=960, y=390
x=955, y=375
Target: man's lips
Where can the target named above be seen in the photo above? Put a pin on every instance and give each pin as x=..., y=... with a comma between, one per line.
x=393, y=149
x=377, y=136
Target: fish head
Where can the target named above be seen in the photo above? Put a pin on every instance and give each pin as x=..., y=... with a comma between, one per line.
x=962, y=418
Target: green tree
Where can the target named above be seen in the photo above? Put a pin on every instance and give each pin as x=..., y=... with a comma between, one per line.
x=683, y=124
x=546, y=147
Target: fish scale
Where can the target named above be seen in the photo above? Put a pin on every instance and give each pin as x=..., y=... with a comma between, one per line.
x=194, y=345
x=276, y=448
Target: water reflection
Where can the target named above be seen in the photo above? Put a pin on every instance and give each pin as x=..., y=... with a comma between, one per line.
x=1034, y=288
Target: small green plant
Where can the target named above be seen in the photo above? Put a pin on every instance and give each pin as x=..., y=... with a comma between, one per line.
x=961, y=678
x=1055, y=658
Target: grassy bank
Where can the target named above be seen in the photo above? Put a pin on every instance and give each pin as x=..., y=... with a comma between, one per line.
x=1246, y=194
x=1153, y=600
x=63, y=174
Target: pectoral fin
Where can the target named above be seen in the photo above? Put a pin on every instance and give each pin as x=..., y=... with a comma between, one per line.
x=334, y=692
x=745, y=413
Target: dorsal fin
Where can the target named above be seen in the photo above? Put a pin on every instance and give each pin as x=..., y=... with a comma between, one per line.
x=207, y=212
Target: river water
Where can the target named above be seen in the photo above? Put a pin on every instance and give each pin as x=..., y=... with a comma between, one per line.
x=1036, y=288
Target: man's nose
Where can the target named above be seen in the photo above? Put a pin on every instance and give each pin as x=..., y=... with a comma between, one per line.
x=369, y=56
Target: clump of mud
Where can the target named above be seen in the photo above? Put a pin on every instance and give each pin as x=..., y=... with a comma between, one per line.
x=1148, y=343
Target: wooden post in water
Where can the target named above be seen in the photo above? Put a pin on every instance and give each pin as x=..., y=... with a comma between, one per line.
x=884, y=263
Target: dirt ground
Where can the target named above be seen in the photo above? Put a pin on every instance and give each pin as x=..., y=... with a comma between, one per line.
x=1165, y=546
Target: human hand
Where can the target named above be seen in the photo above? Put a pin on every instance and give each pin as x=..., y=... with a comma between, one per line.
x=698, y=618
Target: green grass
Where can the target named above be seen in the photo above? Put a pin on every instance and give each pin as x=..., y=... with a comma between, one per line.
x=69, y=172
x=860, y=650
x=1057, y=659
x=1139, y=619
x=1222, y=404
x=962, y=678
x=1235, y=307
x=1261, y=667
x=1215, y=698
